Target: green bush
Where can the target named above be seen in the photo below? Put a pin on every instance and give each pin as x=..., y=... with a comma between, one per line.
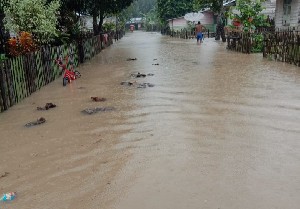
x=258, y=43
x=108, y=26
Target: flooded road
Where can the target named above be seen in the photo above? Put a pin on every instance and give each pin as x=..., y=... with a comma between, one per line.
x=219, y=130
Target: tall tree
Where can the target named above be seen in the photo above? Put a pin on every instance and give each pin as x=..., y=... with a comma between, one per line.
x=3, y=33
x=101, y=8
x=70, y=11
x=168, y=9
x=145, y=6
x=214, y=5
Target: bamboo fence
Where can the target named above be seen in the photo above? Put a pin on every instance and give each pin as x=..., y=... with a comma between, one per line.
x=21, y=76
x=239, y=41
x=283, y=45
x=186, y=34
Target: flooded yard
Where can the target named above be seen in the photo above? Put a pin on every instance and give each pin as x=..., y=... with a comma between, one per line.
x=204, y=128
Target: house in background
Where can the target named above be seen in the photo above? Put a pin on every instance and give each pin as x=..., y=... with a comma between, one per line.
x=138, y=23
x=270, y=6
x=287, y=13
x=178, y=23
x=207, y=19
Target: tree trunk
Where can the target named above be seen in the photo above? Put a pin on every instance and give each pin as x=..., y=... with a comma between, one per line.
x=95, y=25
x=4, y=35
x=220, y=33
x=101, y=21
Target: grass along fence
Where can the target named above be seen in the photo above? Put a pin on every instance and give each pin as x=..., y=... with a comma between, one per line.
x=21, y=76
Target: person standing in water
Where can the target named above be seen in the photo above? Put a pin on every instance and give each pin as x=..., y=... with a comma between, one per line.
x=198, y=30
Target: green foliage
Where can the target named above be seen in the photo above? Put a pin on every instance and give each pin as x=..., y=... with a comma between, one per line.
x=3, y=33
x=2, y=57
x=145, y=9
x=168, y=9
x=3, y=4
x=139, y=7
x=258, y=43
x=34, y=16
x=102, y=8
x=215, y=5
x=248, y=13
x=108, y=26
x=152, y=21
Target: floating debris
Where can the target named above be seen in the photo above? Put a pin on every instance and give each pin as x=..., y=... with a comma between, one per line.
x=150, y=74
x=156, y=64
x=145, y=85
x=131, y=59
x=91, y=111
x=150, y=85
x=8, y=196
x=2, y=175
x=47, y=106
x=98, y=99
x=138, y=75
x=127, y=83
x=37, y=122
x=154, y=59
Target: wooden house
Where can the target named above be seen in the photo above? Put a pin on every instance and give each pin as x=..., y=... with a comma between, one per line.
x=287, y=13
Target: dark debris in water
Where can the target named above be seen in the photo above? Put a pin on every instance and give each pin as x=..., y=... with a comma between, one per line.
x=91, y=111
x=138, y=75
x=138, y=85
x=156, y=64
x=37, y=122
x=47, y=106
x=131, y=59
x=98, y=99
x=141, y=75
x=127, y=83
x=145, y=85
x=5, y=174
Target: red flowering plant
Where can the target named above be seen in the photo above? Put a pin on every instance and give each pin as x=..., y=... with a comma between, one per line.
x=248, y=14
x=21, y=44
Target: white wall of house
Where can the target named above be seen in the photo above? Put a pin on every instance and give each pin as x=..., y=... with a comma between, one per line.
x=269, y=10
x=292, y=20
x=208, y=18
x=178, y=23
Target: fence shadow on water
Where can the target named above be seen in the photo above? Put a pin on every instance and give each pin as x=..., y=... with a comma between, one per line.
x=21, y=76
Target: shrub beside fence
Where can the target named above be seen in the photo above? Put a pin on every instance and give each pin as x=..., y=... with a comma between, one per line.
x=21, y=76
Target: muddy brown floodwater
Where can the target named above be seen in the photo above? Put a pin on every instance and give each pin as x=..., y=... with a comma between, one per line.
x=218, y=130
